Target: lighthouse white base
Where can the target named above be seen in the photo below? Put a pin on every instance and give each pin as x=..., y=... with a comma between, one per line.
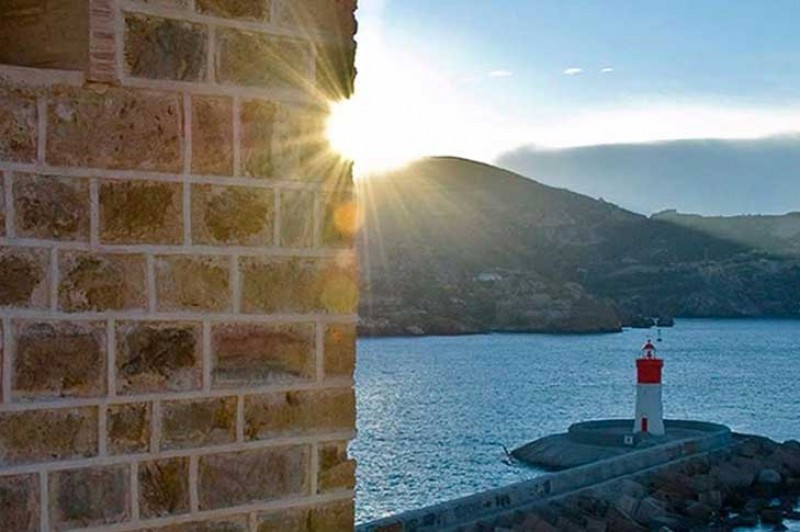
x=649, y=409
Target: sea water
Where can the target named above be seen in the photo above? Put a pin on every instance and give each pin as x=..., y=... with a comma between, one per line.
x=434, y=414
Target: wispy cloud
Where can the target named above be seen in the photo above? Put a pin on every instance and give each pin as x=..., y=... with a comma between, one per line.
x=607, y=70
x=573, y=71
x=500, y=74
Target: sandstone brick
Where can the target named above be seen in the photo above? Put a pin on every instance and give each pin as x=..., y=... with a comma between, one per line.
x=170, y=4
x=115, y=128
x=228, y=524
x=335, y=70
x=2, y=208
x=232, y=215
x=340, y=350
x=298, y=412
x=101, y=281
x=92, y=496
x=297, y=218
x=212, y=135
x=164, y=487
x=298, y=142
x=129, y=428
x=330, y=16
x=51, y=207
x=193, y=283
x=158, y=356
x=257, y=10
x=46, y=435
x=340, y=220
x=293, y=520
x=59, y=359
x=231, y=479
x=332, y=517
x=24, y=277
x=257, y=131
x=255, y=59
x=18, y=126
x=139, y=212
x=251, y=354
x=297, y=286
x=159, y=48
x=19, y=503
x=198, y=422
x=336, y=470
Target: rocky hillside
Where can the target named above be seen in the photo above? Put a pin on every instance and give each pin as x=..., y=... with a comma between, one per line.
x=452, y=246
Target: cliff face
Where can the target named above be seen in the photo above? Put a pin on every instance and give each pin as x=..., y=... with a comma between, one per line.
x=451, y=246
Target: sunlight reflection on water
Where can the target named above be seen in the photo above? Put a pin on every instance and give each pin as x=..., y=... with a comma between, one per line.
x=433, y=413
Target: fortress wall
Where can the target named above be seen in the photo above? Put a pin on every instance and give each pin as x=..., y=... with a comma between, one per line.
x=177, y=279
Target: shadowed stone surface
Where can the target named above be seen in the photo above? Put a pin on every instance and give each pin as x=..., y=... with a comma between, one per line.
x=43, y=435
x=129, y=129
x=160, y=48
x=18, y=133
x=198, y=422
x=157, y=356
x=89, y=497
x=212, y=135
x=294, y=520
x=232, y=215
x=229, y=524
x=24, y=279
x=97, y=282
x=193, y=283
x=51, y=207
x=129, y=428
x=340, y=350
x=134, y=212
x=250, y=476
x=332, y=517
x=164, y=487
x=59, y=359
x=19, y=503
x=298, y=412
x=254, y=354
x=336, y=470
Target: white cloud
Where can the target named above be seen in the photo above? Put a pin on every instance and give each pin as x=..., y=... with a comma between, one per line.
x=606, y=70
x=573, y=71
x=500, y=74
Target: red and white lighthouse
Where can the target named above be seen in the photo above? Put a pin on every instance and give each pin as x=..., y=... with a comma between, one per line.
x=649, y=408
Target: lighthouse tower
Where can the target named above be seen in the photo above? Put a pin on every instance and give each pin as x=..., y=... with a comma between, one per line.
x=649, y=409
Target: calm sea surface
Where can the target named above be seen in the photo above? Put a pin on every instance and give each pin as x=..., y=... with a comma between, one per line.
x=433, y=413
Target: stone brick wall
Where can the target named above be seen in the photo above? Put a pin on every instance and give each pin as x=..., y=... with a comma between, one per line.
x=177, y=288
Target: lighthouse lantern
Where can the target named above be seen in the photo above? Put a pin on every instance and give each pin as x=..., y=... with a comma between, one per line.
x=649, y=408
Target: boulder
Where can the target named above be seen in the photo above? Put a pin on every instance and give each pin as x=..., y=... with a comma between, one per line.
x=771, y=516
x=699, y=510
x=648, y=509
x=731, y=477
x=768, y=477
x=711, y=498
x=626, y=505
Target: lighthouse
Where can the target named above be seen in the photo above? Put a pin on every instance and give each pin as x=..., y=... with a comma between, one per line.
x=649, y=409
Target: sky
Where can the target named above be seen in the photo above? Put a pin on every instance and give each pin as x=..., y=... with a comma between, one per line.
x=482, y=78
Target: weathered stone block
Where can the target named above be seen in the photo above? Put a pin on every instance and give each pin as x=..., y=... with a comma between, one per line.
x=332, y=517
x=115, y=128
x=257, y=10
x=231, y=479
x=141, y=212
x=212, y=135
x=159, y=48
x=294, y=520
x=340, y=350
x=19, y=503
x=129, y=428
x=18, y=126
x=51, y=207
x=100, y=282
x=2, y=209
x=193, y=283
x=92, y=496
x=330, y=16
x=255, y=59
x=298, y=412
x=198, y=422
x=257, y=131
x=59, y=359
x=297, y=219
x=228, y=524
x=298, y=142
x=158, y=356
x=340, y=220
x=24, y=277
x=232, y=215
x=336, y=470
x=164, y=487
x=297, y=286
x=170, y=4
x=251, y=354
x=47, y=435
x=335, y=70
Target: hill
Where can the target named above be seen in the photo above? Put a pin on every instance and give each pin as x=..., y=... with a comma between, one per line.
x=454, y=246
